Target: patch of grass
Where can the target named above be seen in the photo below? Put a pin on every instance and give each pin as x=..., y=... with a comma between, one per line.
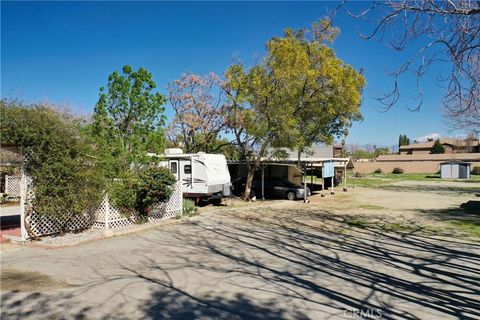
x=471, y=228
x=358, y=222
x=370, y=207
x=366, y=182
x=188, y=210
x=399, y=227
x=379, y=180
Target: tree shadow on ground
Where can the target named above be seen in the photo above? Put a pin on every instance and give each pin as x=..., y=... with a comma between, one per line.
x=467, y=211
x=287, y=258
x=281, y=264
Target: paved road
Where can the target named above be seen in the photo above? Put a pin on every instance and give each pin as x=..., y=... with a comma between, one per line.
x=283, y=262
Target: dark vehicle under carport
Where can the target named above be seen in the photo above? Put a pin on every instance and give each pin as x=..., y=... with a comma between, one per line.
x=278, y=188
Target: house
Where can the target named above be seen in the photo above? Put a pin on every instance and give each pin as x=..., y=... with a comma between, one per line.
x=415, y=163
x=469, y=145
x=10, y=161
x=338, y=151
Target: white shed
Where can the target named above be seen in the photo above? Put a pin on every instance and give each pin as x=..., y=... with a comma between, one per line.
x=455, y=169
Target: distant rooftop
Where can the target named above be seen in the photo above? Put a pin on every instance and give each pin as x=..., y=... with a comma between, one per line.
x=430, y=157
x=449, y=141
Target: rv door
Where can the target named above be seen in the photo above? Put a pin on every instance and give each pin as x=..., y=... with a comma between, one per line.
x=173, y=165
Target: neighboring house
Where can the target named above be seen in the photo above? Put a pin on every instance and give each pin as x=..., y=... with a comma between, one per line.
x=449, y=144
x=415, y=163
x=338, y=151
x=10, y=161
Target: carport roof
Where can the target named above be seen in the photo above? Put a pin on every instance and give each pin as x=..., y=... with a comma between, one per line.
x=317, y=162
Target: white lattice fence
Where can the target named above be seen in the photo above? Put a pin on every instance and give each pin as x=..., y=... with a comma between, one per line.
x=38, y=225
x=105, y=216
x=42, y=225
x=108, y=217
x=171, y=208
x=12, y=186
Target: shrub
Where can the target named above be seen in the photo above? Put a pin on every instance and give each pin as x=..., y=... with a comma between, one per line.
x=437, y=147
x=397, y=170
x=156, y=185
x=378, y=171
x=357, y=174
x=476, y=170
x=189, y=209
x=60, y=161
x=138, y=191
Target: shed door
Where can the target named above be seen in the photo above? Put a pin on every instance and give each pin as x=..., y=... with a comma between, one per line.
x=455, y=171
x=463, y=172
x=446, y=171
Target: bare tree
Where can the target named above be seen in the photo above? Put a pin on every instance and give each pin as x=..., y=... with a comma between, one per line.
x=198, y=104
x=450, y=33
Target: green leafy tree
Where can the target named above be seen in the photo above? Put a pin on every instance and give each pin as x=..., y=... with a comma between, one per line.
x=128, y=120
x=127, y=124
x=60, y=161
x=299, y=94
x=381, y=151
x=253, y=115
x=403, y=140
x=323, y=91
x=437, y=147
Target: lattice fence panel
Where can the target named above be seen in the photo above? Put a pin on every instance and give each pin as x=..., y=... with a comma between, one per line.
x=42, y=225
x=105, y=216
x=12, y=186
x=171, y=208
x=109, y=217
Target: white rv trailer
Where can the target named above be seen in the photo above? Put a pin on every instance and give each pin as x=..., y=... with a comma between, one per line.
x=203, y=175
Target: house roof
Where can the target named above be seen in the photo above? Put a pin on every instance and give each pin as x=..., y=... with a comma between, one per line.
x=430, y=157
x=449, y=141
x=315, y=152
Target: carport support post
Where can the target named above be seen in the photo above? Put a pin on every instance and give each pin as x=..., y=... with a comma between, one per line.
x=263, y=182
x=311, y=176
x=305, y=200
x=323, y=184
x=107, y=212
x=333, y=186
x=23, y=198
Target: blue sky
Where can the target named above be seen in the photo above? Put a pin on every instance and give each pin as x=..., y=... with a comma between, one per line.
x=62, y=52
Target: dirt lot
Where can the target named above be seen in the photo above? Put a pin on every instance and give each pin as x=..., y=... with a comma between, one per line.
x=370, y=251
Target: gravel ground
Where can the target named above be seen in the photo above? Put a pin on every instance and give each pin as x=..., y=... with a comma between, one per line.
x=286, y=260
x=293, y=261
x=70, y=239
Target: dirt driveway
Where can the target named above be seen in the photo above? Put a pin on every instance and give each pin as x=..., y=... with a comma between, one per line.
x=286, y=260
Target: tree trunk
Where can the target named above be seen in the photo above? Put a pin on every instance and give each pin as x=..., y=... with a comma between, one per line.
x=248, y=185
x=299, y=157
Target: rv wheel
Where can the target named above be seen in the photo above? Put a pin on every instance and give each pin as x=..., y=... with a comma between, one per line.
x=291, y=195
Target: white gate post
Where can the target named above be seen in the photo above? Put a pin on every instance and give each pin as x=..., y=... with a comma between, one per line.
x=23, y=199
x=107, y=212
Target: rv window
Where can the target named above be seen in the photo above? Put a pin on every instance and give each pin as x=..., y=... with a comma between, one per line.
x=187, y=169
x=173, y=167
